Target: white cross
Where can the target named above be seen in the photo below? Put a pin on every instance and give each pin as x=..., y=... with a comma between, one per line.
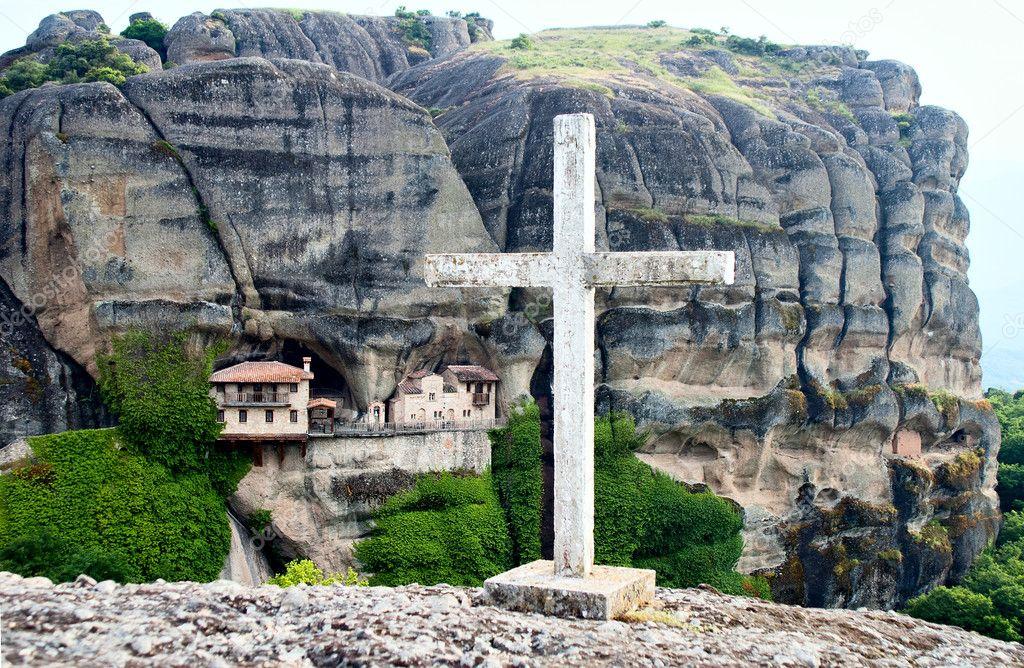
x=572, y=271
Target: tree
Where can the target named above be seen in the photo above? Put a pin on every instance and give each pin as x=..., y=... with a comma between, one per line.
x=24, y=73
x=414, y=30
x=141, y=501
x=85, y=503
x=522, y=42
x=91, y=60
x=150, y=31
x=961, y=607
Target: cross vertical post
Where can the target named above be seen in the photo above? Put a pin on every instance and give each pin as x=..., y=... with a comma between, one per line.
x=573, y=345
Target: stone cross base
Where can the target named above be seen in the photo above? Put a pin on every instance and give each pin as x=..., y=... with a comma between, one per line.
x=608, y=592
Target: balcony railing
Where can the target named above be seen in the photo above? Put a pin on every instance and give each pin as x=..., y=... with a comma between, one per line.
x=384, y=428
x=481, y=398
x=257, y=398
x=321, y=426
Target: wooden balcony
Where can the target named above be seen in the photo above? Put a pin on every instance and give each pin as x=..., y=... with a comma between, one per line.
x=481, y=398
x=257, y=398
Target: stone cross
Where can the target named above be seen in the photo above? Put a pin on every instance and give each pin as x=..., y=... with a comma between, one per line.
x=572, y=270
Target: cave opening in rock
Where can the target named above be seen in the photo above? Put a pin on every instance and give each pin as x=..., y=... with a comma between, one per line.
x=327, y=381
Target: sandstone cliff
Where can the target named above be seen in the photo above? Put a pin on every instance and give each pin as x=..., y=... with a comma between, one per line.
x=281, y=196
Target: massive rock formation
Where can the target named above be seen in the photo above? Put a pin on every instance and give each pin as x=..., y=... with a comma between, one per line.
x=321, y=503
x=373, y=47
x=837, y=193
x=285, y=201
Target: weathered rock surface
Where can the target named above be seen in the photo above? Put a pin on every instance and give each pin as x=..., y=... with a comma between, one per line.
x=246, y=562
x=41, y=391
x=321, y=504
x=174, y=219
x=287, y=205
x=372, y=47
x=224, y=623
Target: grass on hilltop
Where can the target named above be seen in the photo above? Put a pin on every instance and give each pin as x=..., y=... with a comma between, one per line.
x=601, y=55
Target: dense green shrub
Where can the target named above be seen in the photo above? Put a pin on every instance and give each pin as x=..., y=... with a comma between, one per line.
x=991, y=598
x=448, y=528
x=641, y=517
x=414, y=30
x=751, y=47
x=142, y=501
x=518, y=481
x=39, y=551
x=86, y=504
x=24, y=73
x=644, y=518
x=964, y=608
x=91, y=60
x=161, y=397
x=304, y=571
x=521, y=42
x=150, y=31
x=1009, y=408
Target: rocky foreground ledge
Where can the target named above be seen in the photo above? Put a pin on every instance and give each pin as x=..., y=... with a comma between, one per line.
x=223, y=623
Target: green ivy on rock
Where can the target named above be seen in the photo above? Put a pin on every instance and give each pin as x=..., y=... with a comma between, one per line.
x=447, y=528
x=103, y=510
x=141, y=501
x=463, y=529
x=515, y=468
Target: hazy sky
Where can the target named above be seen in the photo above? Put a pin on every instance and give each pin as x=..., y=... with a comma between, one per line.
x=969, y=55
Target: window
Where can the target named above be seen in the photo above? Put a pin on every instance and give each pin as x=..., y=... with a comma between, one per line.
x=412, y=417
x=243, y=416
x=220, y=416
x=431, y=397
x=293, y=416
x=269, y=416
x=294, y=387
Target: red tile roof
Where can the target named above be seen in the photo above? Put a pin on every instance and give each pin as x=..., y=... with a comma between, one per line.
x=261, y=372
x=462, y=372
x=471, y=372
x=410, y=386
x=322, y=402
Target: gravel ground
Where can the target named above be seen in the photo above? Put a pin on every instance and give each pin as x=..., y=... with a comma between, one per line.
x=225, y=624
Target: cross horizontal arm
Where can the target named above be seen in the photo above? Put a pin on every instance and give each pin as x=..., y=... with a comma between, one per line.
x=496, y=270
x=660, y=268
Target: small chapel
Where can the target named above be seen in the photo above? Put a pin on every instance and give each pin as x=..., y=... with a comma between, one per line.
x=459, y=393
